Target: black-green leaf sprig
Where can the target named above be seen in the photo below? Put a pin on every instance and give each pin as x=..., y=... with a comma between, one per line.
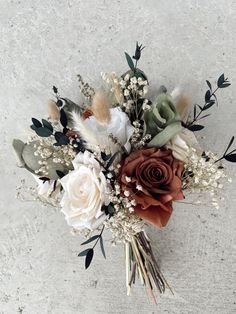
x=229, y=156
x=44, y=129
x=89, y=252
x=210, y=100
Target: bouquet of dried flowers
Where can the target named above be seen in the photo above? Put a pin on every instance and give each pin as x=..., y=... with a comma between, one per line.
x=119, y=160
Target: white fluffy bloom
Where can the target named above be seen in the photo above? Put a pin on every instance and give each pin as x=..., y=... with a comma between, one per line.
x=119, y=126
x=85, y=192
x=181, y=143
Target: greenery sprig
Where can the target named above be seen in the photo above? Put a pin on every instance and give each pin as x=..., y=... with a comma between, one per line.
x=89, y=253
x=231, y=156
x=45, y=129
x=134, y=66
x=210, y=100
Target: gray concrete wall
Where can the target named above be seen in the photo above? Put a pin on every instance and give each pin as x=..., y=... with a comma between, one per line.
x=48, y=42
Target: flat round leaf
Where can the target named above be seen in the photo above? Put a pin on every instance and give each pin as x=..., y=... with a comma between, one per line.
x=36, y=122
x=43, y=132
x=47, y=125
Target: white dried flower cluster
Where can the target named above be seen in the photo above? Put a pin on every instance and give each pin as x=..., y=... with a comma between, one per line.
x=203, y=174
x=137, y=139
x=85, y=88
x=110, y=78
x=137, y=134
x=58, y=154
x=133, y=88
x=123, y=224
x=113, y=80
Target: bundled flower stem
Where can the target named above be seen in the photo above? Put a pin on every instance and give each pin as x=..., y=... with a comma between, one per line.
x=140, y=260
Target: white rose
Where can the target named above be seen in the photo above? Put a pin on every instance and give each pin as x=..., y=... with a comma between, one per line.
x=181, y=143
x=84, y=193
x=119, y=126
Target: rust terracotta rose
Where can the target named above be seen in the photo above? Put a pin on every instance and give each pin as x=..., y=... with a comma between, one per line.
x=158, y=174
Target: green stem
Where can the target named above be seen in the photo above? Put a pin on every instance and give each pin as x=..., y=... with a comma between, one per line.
x=99, y=237
x=201, y=110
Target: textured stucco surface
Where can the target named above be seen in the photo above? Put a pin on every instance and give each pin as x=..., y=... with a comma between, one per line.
x=49, y=42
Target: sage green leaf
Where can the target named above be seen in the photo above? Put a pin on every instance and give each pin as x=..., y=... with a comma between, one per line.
x=54, y=167
x=164, y=136
x=31, y=161
x=18, y=146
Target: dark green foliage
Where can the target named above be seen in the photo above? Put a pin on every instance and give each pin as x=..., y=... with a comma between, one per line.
x=93, y=238
x=210, y=100
x=231, y=156
x=130, y=61
x=89, y=258
x=43, y=132
x=60, y=174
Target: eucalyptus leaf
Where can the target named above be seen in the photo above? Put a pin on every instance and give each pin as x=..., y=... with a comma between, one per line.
x=195, y=127
x=231, y=157
x=84, y=253
x=225, y=85
x=18, y=146
x=33, y=127
x=93, y=238
x=220, y=80
x=43, y=132
x=130, y=61
x=63, y=118
x=209, y=84
x=36, y=122
x=61, y=138
x=47, y=124
x=207, y=95
x=208, y=105
x=229, y=145
x=102, y=247
x=89, y=258
x=44, y=178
